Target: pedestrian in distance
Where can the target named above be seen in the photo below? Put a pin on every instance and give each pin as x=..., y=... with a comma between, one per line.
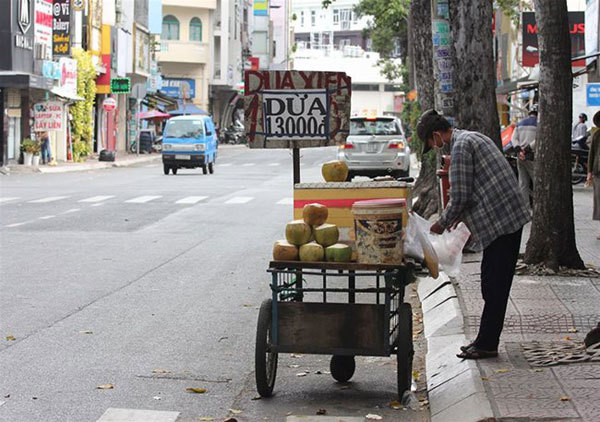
x=579, y=135
x=593, y=177
x=45, y=147
x=523, y=141
x=485, y=196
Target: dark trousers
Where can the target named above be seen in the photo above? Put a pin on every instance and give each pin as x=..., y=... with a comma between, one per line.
x=497, y=272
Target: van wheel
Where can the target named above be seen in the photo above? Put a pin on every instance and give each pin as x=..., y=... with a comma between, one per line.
x=166, y=169
x=204, y=169
x=174, y=170
x=211, y=168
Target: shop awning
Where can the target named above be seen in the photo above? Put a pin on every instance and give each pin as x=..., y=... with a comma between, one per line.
x=511, y=86
x=20, y=80
x=61, y=92
x=187, y=109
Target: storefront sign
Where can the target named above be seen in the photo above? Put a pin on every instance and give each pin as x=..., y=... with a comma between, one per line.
x=68, y=75
x=120, y=85
x=593, y=95
x=61, y=27
x=42, y=30
x=174, y=87
x=142, y=52
x=592, y=17
x=50, y=70
x=530, y=40
x=24, y=15
x=286, y=109
x=48, y=116
x=109, y=104
x=261, y=7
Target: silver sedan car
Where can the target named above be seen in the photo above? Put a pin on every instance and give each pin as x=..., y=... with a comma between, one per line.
x=376, y=147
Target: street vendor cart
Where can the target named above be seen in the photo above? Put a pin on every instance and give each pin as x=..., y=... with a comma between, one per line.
x=338, y=309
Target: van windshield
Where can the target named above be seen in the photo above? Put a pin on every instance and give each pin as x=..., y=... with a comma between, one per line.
x=374, y=127
x=184, y=129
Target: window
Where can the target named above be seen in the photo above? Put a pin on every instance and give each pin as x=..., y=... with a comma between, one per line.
x=302, y=18
x=336, y=16
x=170, y=28
x=313, y=18
x=345, y=18
x=195, y=29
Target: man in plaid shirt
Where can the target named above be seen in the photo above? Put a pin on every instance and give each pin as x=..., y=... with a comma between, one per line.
x=484, y=194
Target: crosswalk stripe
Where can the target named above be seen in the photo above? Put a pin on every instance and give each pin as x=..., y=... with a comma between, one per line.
x=274, y=164
x=247, y=165
x=239, y=200
x=191, y=199
x=16, y=224
x=225, y=165
x=10, y=198
x=47, y=217
x=72, y=210
x=143, y=199
x=286, y=201
x=98, y=198
x=113, y=414
x=47, y=199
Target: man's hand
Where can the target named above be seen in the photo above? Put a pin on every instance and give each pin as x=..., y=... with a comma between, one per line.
x=522, y=155
x=588, y=181
x=436, y=228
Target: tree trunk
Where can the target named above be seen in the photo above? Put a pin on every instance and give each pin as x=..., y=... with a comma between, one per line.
x=426, y=188
x=552, y=239
x=474, y=77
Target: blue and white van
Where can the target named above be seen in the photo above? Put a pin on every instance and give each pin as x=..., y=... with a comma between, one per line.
x=189, y=142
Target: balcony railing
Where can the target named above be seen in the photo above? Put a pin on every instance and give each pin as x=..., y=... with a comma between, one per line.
x=183, y=51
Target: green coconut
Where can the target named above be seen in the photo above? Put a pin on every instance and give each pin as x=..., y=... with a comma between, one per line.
x=338, y=253
x=297, y=232
x=326, y=234
x=312, y=252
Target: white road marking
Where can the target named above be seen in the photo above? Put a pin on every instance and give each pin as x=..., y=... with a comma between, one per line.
x=274, y=164
x=239, y=200
x=191, y=199
x=48, y=199
x=143, y=199
x=286, y=201
x=225, y=165
x=137, y=415
x=248, y=165
x=16, y=224
x=47, y=217
x=10, y=198
x=97, y=205
x=72, y=210
x=98, y=198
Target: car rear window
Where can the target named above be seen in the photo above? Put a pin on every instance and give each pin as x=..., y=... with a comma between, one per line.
x=374, y=127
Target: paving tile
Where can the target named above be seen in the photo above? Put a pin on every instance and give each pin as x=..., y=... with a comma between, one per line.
x=588, y=409
x=550, y=408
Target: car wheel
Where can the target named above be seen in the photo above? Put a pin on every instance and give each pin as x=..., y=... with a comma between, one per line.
x=400, y=173
x=166, y=169
x=174, y=170
x=204, y=169
x=211, y=168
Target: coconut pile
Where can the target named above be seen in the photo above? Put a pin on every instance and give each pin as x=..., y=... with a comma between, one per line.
x=312, y=239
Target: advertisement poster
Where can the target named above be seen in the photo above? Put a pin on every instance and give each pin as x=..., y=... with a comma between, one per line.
x=61, y=27
x=48, y=116
x=68, y=75
x=295, y=109
x=42, y=28
x=530, y=41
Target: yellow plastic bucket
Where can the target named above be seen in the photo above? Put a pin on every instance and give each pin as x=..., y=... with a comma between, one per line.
x=379, y=232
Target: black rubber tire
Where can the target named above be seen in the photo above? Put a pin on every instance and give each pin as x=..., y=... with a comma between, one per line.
x=405, y=350
x=342, y=367
x=576, y=177
x=166, y=169
x=211, y=168
x=265, y=363
x=204, y=169
x=174, y=170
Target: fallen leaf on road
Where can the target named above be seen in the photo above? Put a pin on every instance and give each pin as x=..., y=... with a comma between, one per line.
x=565, y=398
x=501, y=371
x=256, y=398
x=416, y=375
x=235, y=411
x=321, y=412
x=573, y=330
x=301, y=374
x=567, y=338
x=344, y=387
x=86, y=332
x=206, y=418
x=160, y=371
x=294, y=366
x=157, y=398
x=295, y=355
x=105, y=387
x=10, y=338
x=485, y=378
x=318, y=372
x=196, y=390
x=424, y=402
x=396, y=405
x=327, y=372
x=248, y=305
x=538, y=370
x=230, y=420
x=374, y=417
x=419, y=331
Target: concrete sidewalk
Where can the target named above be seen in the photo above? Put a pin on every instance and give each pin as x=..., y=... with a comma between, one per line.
x=547, y=317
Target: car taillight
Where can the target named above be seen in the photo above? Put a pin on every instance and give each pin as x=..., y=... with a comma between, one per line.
x=396, y=145
x=347, y=146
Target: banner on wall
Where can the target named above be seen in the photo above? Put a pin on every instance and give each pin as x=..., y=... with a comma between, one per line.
x=48, y=116
x=61, y=27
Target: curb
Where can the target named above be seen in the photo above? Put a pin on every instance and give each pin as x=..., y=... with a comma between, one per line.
x=74, y=167
x=456, y=391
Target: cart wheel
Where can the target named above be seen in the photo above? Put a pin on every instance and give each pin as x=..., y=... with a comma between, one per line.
x=405, y=351
x=342, y=367
x=265, y=362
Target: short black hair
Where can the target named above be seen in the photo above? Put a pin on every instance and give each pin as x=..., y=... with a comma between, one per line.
x=429, y=122
x=533, y=113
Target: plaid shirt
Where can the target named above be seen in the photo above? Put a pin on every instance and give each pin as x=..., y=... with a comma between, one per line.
x=484, y=192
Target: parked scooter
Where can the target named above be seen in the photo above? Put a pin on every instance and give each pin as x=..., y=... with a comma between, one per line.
x=235, y=134
x=579, y=163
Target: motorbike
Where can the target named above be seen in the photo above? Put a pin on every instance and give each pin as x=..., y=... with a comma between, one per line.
x=235, y=134
x=579, y=164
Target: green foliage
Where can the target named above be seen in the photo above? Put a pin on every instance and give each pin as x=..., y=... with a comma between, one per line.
x=81, y=150
x=294, y=17
x=82, y=111
x=512, y=9
x=388, y=22
x=30, y=146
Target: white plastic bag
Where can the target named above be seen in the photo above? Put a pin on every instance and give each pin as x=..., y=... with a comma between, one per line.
x=449, y=246
x=417, y=244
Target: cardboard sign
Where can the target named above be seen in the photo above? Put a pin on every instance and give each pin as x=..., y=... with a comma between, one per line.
x=287, y=109
x=48, y=116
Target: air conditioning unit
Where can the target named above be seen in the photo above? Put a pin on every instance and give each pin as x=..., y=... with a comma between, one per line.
x=40, y=52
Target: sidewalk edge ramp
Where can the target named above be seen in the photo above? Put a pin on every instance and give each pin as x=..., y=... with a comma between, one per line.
x=113, y=414
x=456, y=391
